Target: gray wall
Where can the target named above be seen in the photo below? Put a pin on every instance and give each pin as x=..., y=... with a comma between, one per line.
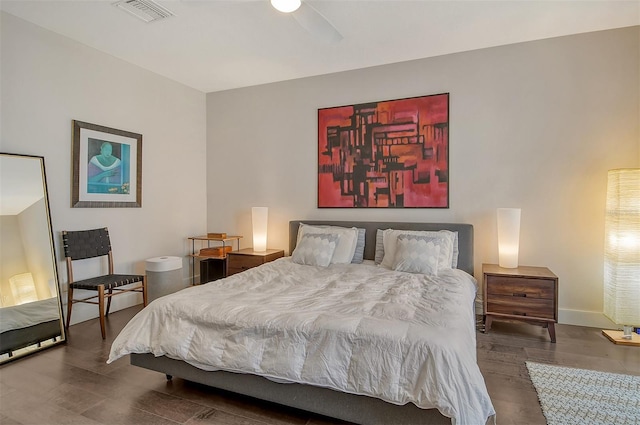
x=533, y=125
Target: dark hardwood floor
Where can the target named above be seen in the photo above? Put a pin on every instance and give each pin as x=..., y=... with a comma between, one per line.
x=72, y=384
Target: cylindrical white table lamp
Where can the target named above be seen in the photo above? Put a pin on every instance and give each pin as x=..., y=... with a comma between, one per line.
x=508, y=237
x=259, y=221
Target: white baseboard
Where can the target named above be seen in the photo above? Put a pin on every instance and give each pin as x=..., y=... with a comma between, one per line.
x=592, y=319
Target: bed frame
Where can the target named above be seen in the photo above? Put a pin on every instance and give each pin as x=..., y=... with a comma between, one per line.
x=324, y=401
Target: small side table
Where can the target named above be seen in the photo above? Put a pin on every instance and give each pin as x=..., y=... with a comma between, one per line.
x=244, y=259
x=528, y=294
x=214, y=266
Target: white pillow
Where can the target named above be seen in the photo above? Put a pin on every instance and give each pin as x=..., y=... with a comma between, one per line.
x=379, y=251
x=346, y=246
x=445, y=239
x=417, y=254
x=315, y=249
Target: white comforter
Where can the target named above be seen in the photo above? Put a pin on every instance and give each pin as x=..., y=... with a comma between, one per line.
x=359, y=329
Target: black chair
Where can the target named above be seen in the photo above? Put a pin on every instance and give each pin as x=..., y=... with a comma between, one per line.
x=80, y=245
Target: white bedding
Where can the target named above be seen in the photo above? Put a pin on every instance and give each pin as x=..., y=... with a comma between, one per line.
x=356, y=328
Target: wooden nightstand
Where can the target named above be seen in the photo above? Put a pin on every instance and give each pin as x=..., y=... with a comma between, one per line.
x=247, y=258
x=527, y=294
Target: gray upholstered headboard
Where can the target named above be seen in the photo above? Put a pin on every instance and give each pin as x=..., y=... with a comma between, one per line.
x=465, y=235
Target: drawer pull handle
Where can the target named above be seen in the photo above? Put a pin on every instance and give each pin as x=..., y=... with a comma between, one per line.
x=517, y=313
x=519, y=294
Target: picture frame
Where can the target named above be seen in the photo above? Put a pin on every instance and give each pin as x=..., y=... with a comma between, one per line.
x=385, y=154
x=106, y=168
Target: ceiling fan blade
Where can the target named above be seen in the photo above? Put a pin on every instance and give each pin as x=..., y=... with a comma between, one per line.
x=316, y=24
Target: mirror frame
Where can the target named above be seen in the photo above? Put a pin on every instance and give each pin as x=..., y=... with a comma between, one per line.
x=62, y=338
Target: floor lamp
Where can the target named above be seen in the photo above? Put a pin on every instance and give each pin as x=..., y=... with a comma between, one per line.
x=622, y=255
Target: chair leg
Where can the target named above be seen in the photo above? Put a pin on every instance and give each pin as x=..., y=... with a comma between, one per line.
x=109, y=301
x=144, y=290
x=69, y=304
x=101, y=307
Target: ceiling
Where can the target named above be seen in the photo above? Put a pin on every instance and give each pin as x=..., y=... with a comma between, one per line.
x=214, y=45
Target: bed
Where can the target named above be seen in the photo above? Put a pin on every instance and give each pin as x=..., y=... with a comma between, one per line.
x=28, y=324
x=352, y=341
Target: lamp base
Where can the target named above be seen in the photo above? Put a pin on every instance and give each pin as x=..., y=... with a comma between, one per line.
x=616, y=338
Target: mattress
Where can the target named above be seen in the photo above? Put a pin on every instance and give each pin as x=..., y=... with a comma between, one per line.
x=355, y=328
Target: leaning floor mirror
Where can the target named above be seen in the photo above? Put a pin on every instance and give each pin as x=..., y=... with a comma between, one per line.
x=30, y=306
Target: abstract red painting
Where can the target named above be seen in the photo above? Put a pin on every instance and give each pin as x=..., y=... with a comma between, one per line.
x=388, y=154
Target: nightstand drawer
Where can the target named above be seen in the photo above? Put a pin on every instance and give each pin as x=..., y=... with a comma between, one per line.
x=233, y=270
x=520, y=287
x=521, y=306
x=244, y=261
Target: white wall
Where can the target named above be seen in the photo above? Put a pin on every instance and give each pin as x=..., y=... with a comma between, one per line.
x=47, y=81
x=533, y=125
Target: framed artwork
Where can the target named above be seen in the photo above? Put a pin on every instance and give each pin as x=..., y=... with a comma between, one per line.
x=107, y=167
x=387, y=154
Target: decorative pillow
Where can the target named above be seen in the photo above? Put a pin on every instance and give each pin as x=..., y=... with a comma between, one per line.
x=379, y=246
x=346, y=245
x=446, y=243
x=358, y=255
x=416, y=254
x=445, y=238
x=456, y=251
x=315, y=249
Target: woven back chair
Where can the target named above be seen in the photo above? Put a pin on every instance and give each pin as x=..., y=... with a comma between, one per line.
x=80, y=245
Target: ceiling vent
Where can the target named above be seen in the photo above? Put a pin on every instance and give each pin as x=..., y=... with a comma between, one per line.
x=147, y=10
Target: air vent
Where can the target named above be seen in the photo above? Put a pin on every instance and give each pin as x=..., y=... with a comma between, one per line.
x=147, y=10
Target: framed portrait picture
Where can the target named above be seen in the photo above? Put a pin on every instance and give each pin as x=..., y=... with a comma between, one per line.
x=386, y=154
x=107, y=167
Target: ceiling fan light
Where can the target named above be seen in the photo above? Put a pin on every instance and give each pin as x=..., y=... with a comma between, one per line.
x=286, y=6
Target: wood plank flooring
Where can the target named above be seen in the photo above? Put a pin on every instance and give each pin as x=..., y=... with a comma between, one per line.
x=72, y=384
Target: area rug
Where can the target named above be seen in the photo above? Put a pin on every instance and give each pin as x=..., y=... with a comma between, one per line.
x=578, y=396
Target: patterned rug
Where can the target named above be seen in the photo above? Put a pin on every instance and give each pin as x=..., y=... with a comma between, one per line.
x=578, y=396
